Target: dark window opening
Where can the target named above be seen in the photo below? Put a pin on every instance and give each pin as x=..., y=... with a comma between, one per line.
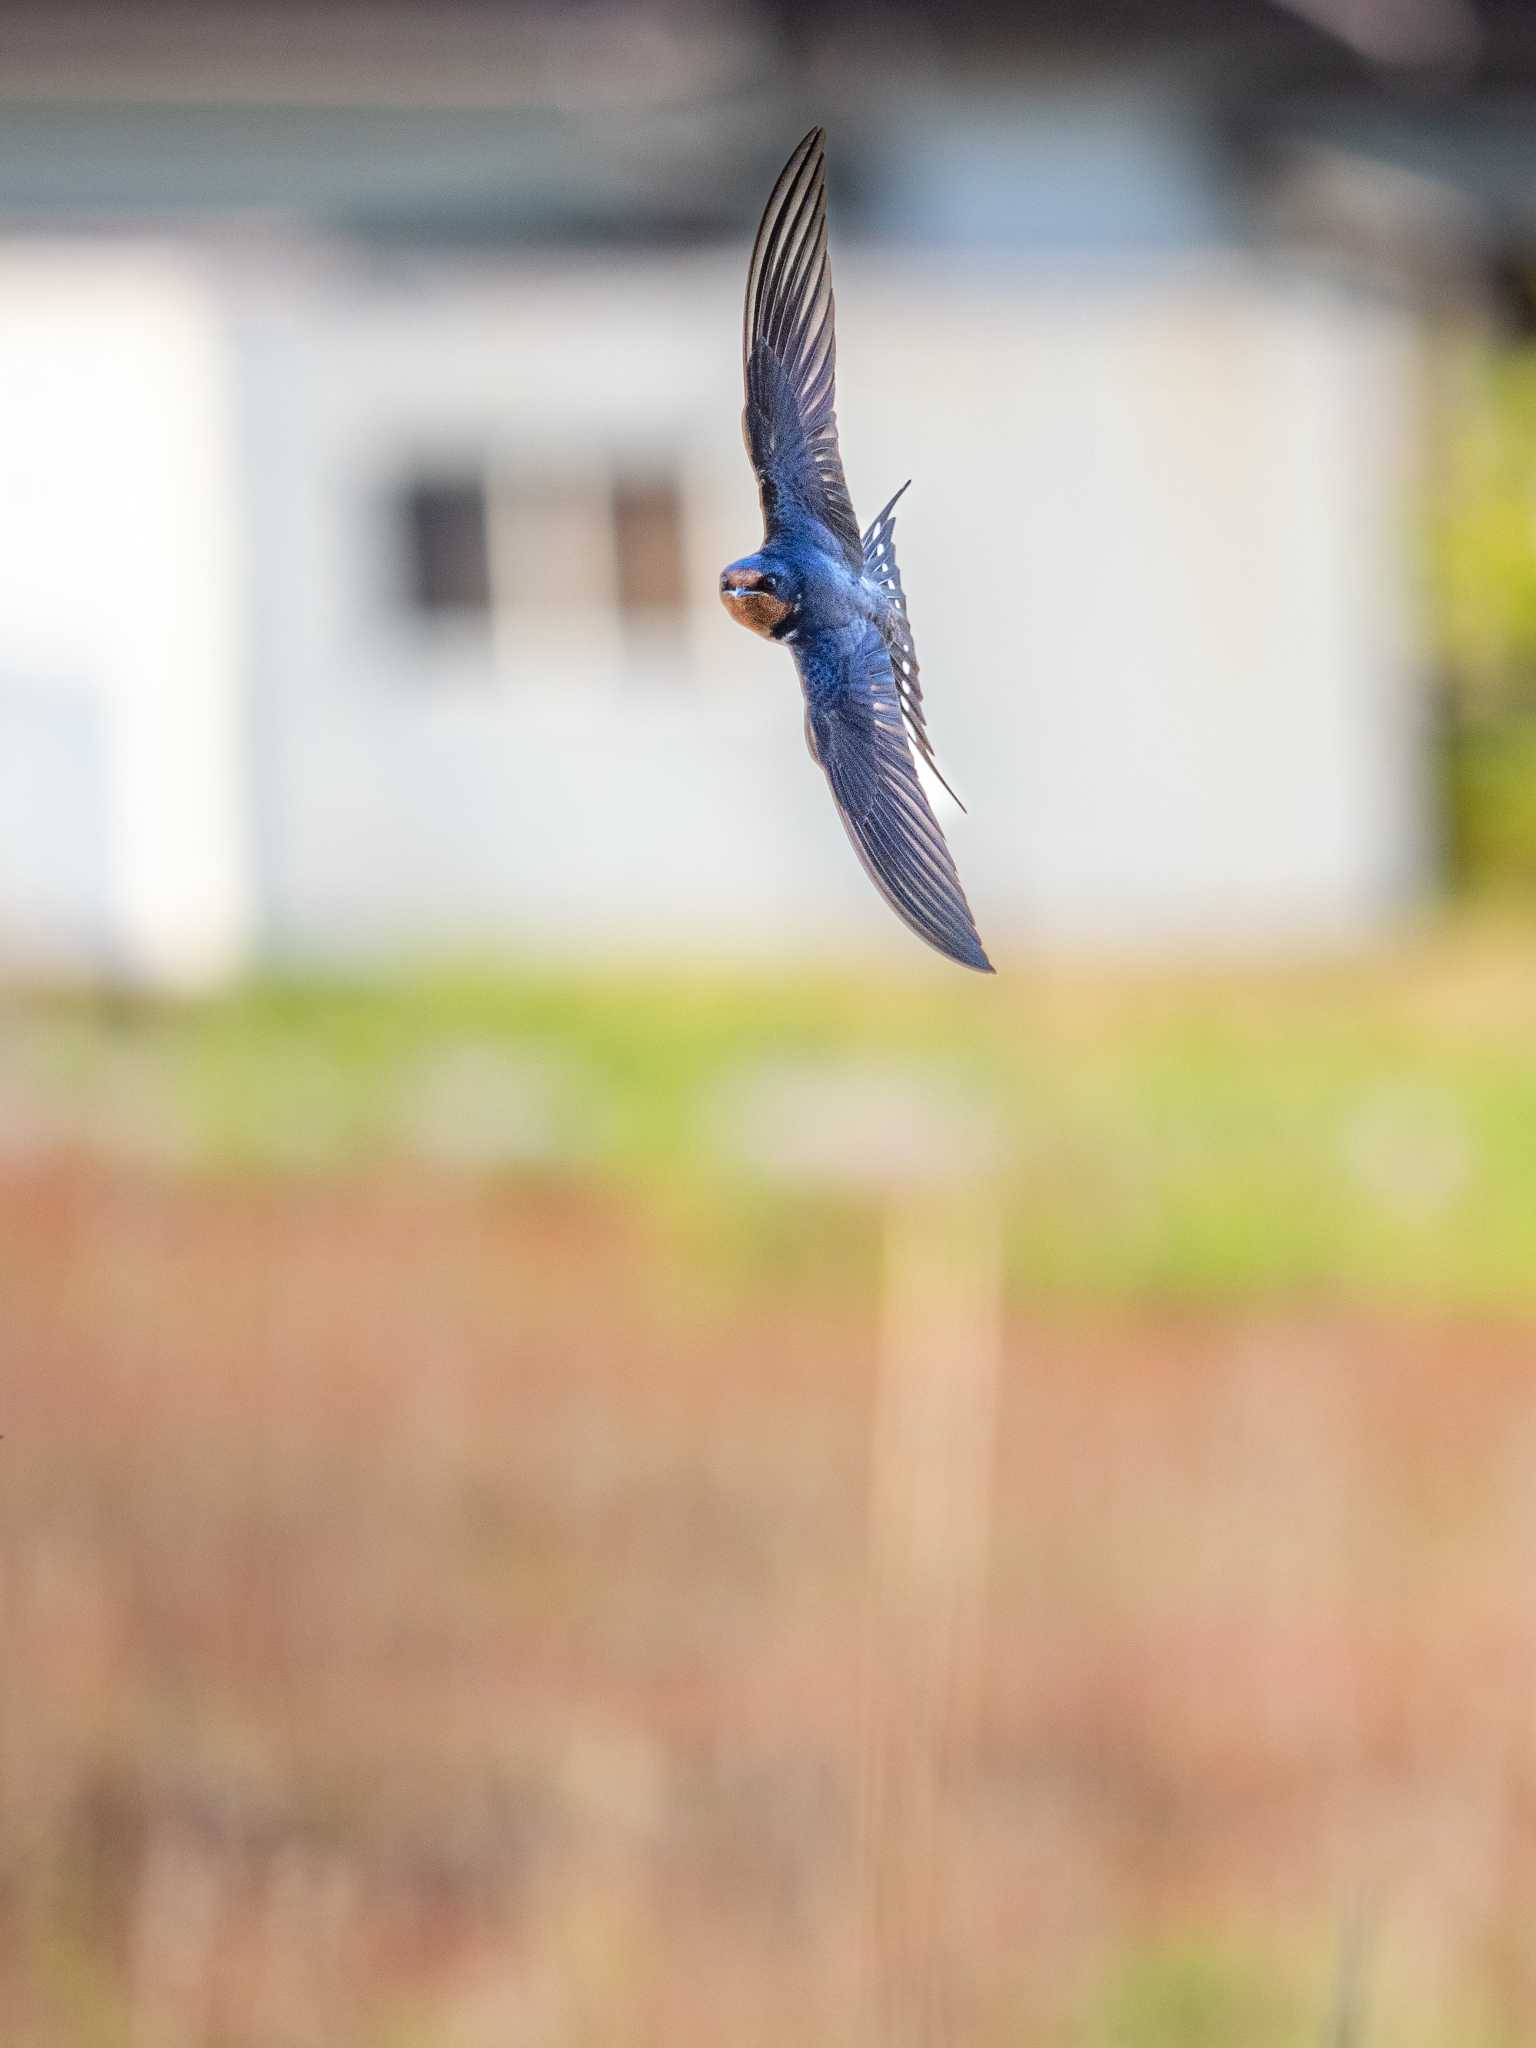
x=648, y=546
x=447, y=546
x=572, y=555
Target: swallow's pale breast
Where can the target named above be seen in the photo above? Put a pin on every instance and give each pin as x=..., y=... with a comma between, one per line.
x=832, y=595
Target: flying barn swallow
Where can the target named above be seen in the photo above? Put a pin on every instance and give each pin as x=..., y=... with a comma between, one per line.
x=834, y=599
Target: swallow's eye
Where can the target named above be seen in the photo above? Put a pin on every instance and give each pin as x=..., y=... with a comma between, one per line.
x=769, y=583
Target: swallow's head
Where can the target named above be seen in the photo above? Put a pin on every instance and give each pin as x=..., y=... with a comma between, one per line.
x=763, y=596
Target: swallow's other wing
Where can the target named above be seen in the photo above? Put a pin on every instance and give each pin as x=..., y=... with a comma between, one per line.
x=789, y=348
x=883, y=571
x=857, y=732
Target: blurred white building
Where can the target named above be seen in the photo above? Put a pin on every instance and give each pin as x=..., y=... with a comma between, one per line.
x=360, y=568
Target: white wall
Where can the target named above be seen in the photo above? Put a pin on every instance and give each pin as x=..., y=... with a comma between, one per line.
x=1155, y=549
x=121, y=837
x=1156, y=558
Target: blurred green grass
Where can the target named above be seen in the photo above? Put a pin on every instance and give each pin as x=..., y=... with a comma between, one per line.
x=1356, y=1129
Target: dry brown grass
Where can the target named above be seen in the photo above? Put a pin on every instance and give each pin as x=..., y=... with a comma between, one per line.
x=431, y=1616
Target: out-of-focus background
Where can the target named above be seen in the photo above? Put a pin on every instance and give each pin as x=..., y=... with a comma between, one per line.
x=598, y=1448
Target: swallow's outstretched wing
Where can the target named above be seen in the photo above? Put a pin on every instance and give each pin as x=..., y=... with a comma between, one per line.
x=789, y=348
x=856, y=729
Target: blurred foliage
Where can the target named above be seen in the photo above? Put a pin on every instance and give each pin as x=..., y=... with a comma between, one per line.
x=1482, y=581
x=1482, y=535
x=1490, y=770
x=1365, y=1129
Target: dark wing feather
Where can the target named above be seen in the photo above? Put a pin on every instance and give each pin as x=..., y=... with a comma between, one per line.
x=858, y=734
x=883, y=570
x=789, y=350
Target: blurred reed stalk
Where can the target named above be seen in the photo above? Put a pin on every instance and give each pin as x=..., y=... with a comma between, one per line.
x=177, y=1910
x=929, y=1524
x=926, y=1150
x=1344, y=2026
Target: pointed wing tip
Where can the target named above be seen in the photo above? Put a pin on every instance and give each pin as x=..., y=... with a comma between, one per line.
x=973, y=956
x=812, y=143
x=956, y=938
x=964, y=948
